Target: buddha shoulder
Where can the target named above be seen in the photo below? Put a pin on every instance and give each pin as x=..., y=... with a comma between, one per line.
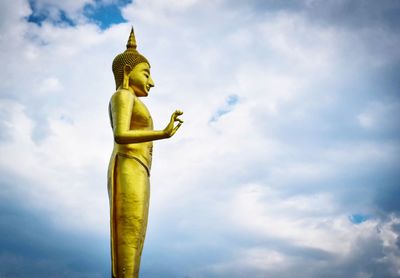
x=122, y=97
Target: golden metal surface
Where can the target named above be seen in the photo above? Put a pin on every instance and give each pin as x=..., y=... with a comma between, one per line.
x=130, y=163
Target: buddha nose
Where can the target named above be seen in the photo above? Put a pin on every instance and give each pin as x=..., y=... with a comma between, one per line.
x=150, y=82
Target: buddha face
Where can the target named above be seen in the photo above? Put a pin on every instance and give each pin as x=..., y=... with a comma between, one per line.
x=140, y=80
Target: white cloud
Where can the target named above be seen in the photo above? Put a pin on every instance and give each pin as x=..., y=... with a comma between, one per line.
x=379, y=115
x=390, y=237
x=49, y=85
x=308, y=221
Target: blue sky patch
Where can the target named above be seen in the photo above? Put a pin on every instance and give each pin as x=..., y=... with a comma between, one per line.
x=230, y=102
x=358, y=218
x=102, y=14
x=105, y=15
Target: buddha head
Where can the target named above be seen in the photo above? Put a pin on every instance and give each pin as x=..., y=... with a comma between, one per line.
x=132, y=69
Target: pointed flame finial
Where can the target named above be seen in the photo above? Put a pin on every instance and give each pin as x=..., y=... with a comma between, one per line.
x=131, y=44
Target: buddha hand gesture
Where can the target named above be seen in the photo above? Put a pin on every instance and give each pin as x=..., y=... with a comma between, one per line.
x=171, y=128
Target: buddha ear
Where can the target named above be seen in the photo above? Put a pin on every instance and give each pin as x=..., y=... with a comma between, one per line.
x=127, y=69
x=125, y=81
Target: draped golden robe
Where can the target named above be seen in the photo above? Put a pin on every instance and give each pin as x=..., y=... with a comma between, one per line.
x=128, y=186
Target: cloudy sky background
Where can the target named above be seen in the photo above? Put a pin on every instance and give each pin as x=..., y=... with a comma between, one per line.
x=287, y=164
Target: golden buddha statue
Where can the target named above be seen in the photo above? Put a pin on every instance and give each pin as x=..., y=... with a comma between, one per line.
x=130, y=163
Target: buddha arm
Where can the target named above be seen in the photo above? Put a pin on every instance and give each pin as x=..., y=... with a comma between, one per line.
x=121, y=111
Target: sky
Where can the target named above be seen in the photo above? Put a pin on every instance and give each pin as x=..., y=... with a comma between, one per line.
x=287, y=164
